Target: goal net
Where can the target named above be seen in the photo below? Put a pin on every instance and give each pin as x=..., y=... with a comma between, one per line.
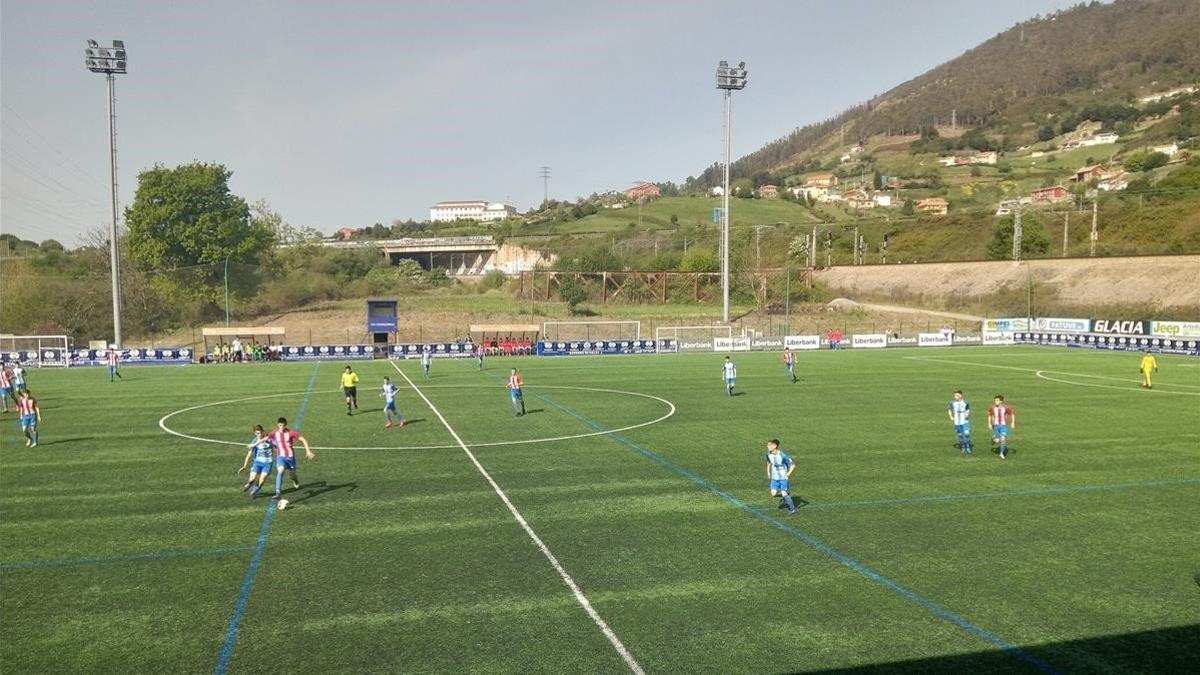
x=689, y=338
x=591, y=330
x=36, y=350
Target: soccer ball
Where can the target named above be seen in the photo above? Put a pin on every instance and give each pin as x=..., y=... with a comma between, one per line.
x=283, y=504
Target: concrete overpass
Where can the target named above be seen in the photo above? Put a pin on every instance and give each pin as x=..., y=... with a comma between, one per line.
x=457, y=255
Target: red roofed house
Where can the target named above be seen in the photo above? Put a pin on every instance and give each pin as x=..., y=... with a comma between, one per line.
x=345, y=233
x=1088, y=173
x=769, y=192
x=822, y=180
x=642, y=192
x=937, y=206
x=1049, y=195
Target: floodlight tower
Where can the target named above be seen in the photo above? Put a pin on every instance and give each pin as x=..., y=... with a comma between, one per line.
x=111, y=61
x=729, y=79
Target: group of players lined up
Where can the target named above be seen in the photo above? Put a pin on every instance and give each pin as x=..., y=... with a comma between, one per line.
x=14, y=386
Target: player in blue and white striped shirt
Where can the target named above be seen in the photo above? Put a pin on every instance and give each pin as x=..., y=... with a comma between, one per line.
x=388, y=392
x=959, y=411
x=779, y=469
x=729, y=374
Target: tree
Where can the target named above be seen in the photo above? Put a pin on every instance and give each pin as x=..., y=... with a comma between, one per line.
x=572, y=292
x=1034, y=240
x=699, y=259
x=877, y=180
x=1046, y=133
x=187, y=216
x=742, y=187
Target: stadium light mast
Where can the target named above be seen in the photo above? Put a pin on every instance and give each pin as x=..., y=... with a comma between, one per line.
x=729, y=79
x=111, y=61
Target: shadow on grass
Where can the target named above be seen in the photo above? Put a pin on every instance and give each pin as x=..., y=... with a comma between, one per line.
x=317, y=489
x=60, y=441
x=1166, y=650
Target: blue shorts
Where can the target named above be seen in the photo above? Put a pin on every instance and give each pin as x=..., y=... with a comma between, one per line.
x=260, y=467
x=779, y=485
x=5, y=391
x=288, y=463
x=28, y=421
x=963, y=428
x=789, y=366
x=390, y=405
x=1000, y=430
x=516, y=394
x=729, y=381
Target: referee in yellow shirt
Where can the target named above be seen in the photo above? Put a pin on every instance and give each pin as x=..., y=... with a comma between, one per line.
x=350, y=388
x=1149, y=365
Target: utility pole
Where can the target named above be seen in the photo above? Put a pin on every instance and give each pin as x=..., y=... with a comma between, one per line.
x=1066, y=229
x=828, y=248
x=758, y=247
x=812, y=250
x=544, y=174
x=1016, y=250
x=883, y=248
x=1095, y=234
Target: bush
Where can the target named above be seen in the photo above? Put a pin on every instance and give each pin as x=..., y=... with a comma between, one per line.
x=573, y=293
x=493, y=279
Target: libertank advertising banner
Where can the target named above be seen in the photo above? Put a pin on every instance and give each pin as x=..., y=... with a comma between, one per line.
x=934, y=340
x=731, y=344
x=998, y=338
x=802, y=342
x=868, y=341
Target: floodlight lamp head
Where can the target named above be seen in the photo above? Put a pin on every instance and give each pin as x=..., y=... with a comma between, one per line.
x=93, y=43
x=741, y=64
x=120, y=44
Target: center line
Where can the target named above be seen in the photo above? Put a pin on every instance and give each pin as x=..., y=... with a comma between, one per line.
x=562, y=572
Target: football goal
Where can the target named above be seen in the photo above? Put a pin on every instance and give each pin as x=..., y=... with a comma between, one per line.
x=36, y=350
x=591, y=330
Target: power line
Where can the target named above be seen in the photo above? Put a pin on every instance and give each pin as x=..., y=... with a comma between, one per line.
x=69, y=163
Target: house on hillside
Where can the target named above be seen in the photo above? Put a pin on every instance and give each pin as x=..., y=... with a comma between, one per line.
x=948, y=160
x=1049, y=195
x=1111, y=182
x=857, y=198
x=825, y=180
x=985, y=157
x=1007, y=206
x=768, y=192
x=643, y=192
x=937, y=206
x=1089, y=173
x=881, y=199
x=1169, y=149
x=809, y=192
x=344, y=233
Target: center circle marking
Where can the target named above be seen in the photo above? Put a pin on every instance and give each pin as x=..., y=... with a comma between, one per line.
x=162, y=423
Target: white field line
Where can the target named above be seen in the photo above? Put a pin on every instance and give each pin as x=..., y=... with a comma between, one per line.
x=162, y=423
x=562, y=572
x=1042, y=374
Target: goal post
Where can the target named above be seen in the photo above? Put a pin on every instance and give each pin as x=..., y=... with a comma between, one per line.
x=36, y=350
x=591, y=330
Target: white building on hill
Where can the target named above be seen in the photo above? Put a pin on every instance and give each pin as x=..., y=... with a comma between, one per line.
x=443, y=212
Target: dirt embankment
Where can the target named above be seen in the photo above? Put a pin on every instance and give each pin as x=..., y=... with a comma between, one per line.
x=1160, y=282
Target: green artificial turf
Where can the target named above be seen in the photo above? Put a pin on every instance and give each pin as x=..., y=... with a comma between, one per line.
x=124, y=548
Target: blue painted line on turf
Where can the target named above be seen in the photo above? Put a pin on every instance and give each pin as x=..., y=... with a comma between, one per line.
x=821, y=547
x=239, y=608
x=101, y=560
x=1032, y=492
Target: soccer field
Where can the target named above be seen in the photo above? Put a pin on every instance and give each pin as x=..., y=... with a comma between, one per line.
x=623, y=524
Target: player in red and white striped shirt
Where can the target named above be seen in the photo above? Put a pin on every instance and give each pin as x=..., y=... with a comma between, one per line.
x=789, y=362
x=514, y=391
x=5, y=386
x=113, y=359
x=285, y=454
x=31, y=414
x=1000, y=418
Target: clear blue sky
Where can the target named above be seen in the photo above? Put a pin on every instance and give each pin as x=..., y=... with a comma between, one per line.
x=361, y=112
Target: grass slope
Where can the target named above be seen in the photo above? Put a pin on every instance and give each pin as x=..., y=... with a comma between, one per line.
x=1076, y=551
